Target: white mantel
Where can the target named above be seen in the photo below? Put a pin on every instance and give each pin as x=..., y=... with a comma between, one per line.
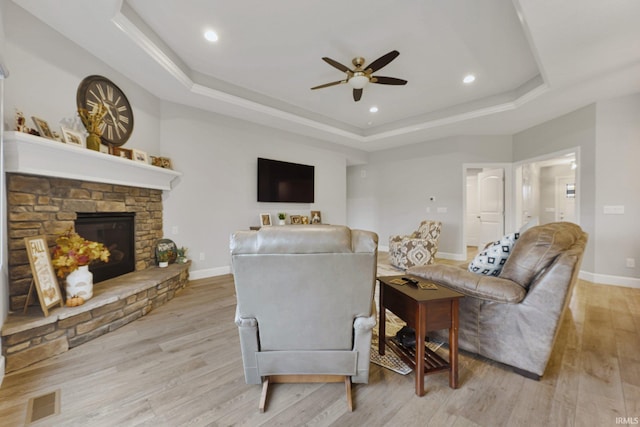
x=33, y=155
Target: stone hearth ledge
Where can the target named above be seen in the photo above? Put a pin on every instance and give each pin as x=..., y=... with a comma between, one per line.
x=31, y=337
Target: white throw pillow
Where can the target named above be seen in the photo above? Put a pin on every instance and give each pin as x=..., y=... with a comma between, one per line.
x=490, y=260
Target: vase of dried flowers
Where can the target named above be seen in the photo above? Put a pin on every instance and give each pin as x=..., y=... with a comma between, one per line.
x=71, y=258
x=93, y=141
x=93, y=122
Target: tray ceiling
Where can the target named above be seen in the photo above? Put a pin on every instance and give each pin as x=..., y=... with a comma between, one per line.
x=532, y=60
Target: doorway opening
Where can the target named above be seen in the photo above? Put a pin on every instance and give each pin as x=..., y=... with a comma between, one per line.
x=486, y=204
x=548, y=189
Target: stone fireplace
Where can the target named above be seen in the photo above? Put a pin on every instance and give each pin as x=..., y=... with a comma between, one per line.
x=52, y=187
x=40, y=205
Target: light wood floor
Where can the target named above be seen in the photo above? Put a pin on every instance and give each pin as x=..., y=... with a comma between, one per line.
x=180, y=365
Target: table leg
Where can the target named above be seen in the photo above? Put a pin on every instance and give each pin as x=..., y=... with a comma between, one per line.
x=453, y=345
x=421, y=325
x=382, y=330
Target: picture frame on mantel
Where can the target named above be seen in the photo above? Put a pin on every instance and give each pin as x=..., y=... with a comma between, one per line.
x=43, y=127
x=124, y=153
x=73, y=137
x=44, y=278
x=140, y=156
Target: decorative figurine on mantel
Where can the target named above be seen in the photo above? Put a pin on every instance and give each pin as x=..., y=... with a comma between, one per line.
x=21, y=122
x=93, y=122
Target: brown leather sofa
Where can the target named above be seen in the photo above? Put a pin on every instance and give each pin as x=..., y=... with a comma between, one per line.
x=514, y=318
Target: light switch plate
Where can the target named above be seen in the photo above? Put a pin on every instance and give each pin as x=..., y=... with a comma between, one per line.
x=613, y=210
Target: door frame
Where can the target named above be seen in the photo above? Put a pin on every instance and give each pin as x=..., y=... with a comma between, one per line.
x=576, y=151
x=508, y=198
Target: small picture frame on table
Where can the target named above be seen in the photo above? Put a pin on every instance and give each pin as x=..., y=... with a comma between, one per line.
x=265, y=219
x=295, y=219
x=43, y=127
x=316, y=218
x=73, y=137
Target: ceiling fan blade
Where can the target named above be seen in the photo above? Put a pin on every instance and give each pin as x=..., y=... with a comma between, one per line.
x=337, y=65
x=382, y=61
x=329, y=84
x=357, y=94
x=387, y=80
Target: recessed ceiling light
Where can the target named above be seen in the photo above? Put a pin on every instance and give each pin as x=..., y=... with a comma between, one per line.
x=211, y=35
x=373, y=109
x=469, y=78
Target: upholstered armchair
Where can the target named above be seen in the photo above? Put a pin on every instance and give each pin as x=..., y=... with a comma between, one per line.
x=418, y=248
x=514, y=317
x=305, y=308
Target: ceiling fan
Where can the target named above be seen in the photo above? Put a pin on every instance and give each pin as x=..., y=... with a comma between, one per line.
x=359, y=77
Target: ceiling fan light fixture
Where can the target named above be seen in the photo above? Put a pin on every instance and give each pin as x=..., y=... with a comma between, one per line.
x=358, y=81
x=361, y=76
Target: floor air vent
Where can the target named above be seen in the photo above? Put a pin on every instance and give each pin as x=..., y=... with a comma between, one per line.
x=43, y=406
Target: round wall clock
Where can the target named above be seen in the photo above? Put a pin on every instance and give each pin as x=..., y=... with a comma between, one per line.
x=118, y=122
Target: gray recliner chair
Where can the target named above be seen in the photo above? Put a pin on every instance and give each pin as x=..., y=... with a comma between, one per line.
x=305, y=308
x=514, y=318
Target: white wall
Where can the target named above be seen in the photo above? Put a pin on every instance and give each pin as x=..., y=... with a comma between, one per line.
x=576, y=129
x=393, y=195
x=47, y=68
x=608, y=134
x=617, y=237
x=217, y=194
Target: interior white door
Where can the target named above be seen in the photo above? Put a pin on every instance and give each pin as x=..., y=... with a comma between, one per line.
x=491, y=204
x=473, y=215
x=566, y=199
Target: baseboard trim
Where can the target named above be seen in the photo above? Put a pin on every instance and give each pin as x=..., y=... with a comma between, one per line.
x=607, y=279
x=453, y=257
x=209, y=272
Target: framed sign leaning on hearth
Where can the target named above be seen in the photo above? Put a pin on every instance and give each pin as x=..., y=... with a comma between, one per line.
x=44, y=278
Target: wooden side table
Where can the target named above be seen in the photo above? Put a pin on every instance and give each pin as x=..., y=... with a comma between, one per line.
x=423, y=310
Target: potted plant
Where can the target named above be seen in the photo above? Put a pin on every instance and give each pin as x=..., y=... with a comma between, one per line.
x=71, y=258
x=182, y=255
x=163, y=259
x=281, y=217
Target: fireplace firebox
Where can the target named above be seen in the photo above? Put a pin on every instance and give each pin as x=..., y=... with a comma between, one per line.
x=116, y=230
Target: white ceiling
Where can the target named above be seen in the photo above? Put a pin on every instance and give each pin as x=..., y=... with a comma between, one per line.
x=533, y=59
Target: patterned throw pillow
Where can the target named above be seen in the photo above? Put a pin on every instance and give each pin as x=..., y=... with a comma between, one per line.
x=491, y=259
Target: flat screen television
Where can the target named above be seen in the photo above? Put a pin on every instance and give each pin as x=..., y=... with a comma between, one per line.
x=285, y=182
